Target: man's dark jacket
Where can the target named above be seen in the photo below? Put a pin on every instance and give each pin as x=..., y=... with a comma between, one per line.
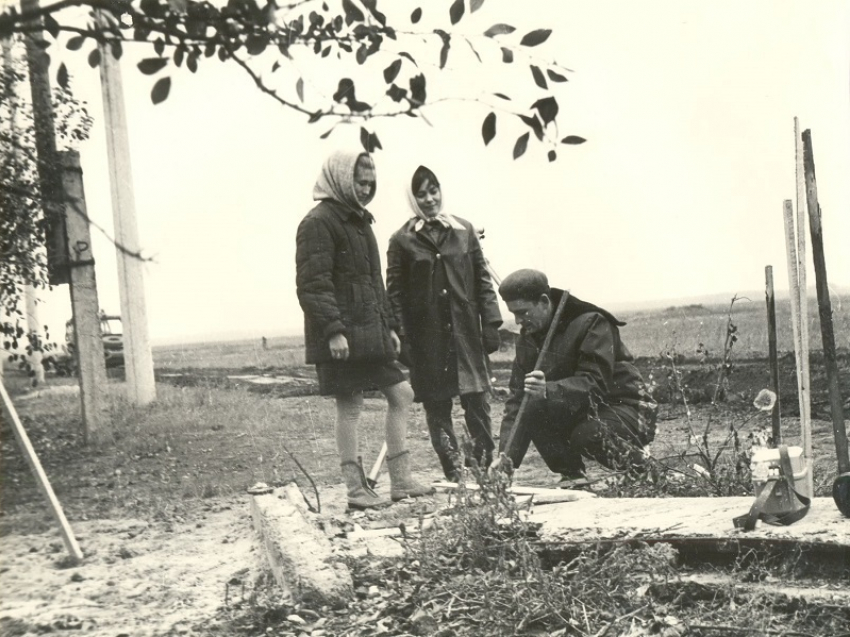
x=586, y=365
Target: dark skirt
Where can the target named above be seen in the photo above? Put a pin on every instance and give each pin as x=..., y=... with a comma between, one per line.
x=344, y=378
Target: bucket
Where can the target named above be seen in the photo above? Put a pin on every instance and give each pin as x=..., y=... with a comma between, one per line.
x=765, y=466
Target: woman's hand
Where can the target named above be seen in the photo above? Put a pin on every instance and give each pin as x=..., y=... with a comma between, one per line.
x=339, y=347
x=490, y=338
x=396, y=342
x=535, y=384
x=405, y=357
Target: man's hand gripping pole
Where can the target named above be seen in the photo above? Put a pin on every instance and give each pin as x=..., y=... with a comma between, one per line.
x=503, y=459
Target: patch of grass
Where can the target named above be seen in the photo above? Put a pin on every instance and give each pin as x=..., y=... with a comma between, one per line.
x=683, y=329
x=285, y=351
x=193, y=443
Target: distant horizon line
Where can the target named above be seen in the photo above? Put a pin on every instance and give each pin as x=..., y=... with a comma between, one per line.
x=627, y=306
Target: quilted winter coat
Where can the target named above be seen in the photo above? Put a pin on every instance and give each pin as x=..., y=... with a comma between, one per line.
x=338, y=274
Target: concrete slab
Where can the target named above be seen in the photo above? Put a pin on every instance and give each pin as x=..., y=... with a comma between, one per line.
x=659, y=518
x=301, y=557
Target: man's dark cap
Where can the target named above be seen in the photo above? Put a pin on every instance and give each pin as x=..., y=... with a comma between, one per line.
x=524, y=285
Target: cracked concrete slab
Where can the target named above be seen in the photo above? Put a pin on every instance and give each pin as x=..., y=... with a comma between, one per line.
x=300, y=555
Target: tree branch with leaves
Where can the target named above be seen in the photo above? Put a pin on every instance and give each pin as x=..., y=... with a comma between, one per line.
x=22, y=222
x=263, y=37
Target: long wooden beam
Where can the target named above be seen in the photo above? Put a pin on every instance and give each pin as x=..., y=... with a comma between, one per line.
x=38, y=471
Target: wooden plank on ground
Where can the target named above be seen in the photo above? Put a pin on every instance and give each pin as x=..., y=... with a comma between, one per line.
x=540, y=495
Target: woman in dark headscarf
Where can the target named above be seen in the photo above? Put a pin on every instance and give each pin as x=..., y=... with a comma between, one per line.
x=440, y=289
x=349, y=327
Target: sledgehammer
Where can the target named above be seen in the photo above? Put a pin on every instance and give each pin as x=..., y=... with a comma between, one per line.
x=372, y=478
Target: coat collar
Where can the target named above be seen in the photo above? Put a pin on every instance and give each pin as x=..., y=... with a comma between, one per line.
x=447, y=221
x=346, y=214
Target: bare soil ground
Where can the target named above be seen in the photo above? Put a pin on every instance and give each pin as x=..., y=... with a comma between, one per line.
x=162, y=515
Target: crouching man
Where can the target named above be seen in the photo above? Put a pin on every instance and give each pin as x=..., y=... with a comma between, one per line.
x=588, y=400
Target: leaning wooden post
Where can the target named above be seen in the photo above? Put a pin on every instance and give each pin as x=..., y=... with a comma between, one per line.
x=90, y=360
x=774, y=361
x=138, y=359
x=805, y=386
x=40, y=476
x=824, y=305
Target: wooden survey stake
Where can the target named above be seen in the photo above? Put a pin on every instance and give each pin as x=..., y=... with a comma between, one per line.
x=770, y=298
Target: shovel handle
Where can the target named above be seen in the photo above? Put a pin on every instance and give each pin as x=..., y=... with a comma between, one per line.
x=559, y=311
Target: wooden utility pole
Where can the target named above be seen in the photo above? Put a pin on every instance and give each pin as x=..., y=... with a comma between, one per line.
x=63, y=203
x=90, y=360
x=49, y=169
x=138, y=360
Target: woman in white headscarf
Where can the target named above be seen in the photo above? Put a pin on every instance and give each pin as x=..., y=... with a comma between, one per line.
x=349, y=327
x=440, y=289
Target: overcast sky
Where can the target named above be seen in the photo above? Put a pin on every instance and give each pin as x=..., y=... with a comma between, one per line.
x=688, y=111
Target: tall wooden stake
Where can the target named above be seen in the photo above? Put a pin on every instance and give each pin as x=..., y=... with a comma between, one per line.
x=138, y=359
x=90, y=361
x=794, y=294
x=774, y=360
x=825, y=307
x=804, y=384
